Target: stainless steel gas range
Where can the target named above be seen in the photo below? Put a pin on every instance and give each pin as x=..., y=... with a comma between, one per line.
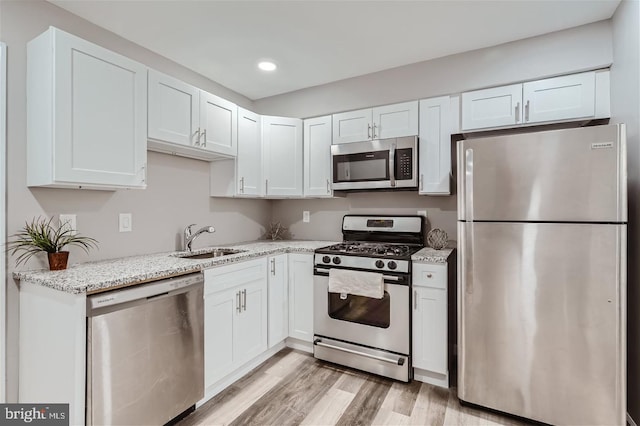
x=368, y=333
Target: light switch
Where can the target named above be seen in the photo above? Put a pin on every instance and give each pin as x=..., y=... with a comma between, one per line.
x=305, y=216
x=126, y=224
x=68, y=221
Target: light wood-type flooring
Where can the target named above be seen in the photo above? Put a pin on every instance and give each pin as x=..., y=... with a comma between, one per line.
x=293, y=388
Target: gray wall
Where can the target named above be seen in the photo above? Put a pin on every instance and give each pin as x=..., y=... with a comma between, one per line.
x=577, y=49
x=178, y=188
x=625, y=108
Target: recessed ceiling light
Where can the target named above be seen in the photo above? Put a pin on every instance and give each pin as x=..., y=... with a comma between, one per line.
x=267, y=66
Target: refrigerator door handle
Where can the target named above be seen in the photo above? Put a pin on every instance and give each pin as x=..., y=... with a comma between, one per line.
x=468, y=185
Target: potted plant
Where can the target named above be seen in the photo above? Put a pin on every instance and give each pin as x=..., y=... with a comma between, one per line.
x=41, y=235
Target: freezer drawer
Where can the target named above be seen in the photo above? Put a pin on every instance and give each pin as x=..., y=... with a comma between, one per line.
x=542, y=311
x=575, y=175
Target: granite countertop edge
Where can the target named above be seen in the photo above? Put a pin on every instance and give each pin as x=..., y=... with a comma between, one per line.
x=109, y=274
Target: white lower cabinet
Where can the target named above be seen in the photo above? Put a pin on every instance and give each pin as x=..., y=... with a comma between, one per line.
x=301, y=296
x=235, y=300
x=430, y=325
x=278, y=299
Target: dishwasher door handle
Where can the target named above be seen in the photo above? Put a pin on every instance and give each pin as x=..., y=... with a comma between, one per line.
x=143, y=293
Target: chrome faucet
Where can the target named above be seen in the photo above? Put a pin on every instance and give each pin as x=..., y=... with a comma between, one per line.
x=189, y=236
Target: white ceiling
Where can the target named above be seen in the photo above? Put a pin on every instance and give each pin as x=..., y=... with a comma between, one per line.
x=317, y=42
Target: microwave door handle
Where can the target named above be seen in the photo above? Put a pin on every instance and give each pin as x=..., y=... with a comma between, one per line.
x=392, y=161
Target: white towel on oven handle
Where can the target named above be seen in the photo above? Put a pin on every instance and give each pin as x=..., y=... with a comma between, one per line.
x=359, y=283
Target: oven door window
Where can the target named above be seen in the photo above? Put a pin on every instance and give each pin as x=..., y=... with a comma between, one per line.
x=361, y=310
x=361, y=167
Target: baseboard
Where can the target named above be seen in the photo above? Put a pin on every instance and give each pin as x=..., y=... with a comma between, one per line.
x=630, y=421
x=232, y=377
x=436, y=379
x=301, y=345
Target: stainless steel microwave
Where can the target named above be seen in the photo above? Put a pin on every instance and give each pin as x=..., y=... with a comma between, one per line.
x=377, y=164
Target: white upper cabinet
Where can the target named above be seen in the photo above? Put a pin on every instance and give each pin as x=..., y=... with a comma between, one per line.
x=565, y=98
x=560, y=98
x=317, y=157
x=282, y=156
x=86, y=115
x=435, y=146
x=173, y=110
x=495, y=107
x=190, y=122
x=389, y=121
x=249, y=160
x=218, y=125
x=395, y=121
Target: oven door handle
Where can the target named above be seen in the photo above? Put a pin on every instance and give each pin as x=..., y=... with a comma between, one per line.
x=399, y=361
x=385, y=277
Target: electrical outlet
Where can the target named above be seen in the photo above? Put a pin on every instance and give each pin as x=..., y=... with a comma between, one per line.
x=125, y=222
x=422, y=213
x=306, y=218
x=68, y=222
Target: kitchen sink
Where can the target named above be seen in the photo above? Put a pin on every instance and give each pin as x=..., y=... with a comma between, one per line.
x=209, y=254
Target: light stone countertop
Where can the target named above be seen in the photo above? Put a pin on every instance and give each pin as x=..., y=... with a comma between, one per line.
x=431, y=255
x=103, y=275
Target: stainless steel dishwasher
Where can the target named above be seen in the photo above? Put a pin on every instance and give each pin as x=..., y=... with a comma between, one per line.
x=145, y=352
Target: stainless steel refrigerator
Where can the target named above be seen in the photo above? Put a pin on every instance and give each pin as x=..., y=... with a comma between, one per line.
x=542, y=274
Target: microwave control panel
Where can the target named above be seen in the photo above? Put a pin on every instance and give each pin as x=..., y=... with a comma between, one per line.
x=404, y=164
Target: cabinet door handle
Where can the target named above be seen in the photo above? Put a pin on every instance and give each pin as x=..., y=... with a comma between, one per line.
x=238, y=304
x=421, y=182
x=204, y=138
x=273, y=266
x=266, y=186
x=369, y=130
x=197, y=137
x=526, y=111
x=415, y=300
x=517, y=112
x=242, y=184
x=143, y=171
x=374, y=131
x=244, y=299
x=328, y=187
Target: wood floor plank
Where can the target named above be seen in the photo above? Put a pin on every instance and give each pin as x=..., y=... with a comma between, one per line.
x=364, y=407
x=351, y=381
x=330, y=408
x=296, y=395
x=430, y=406
x=293, y=388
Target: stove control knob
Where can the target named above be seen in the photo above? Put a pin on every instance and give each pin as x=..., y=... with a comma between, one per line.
x=326, y=259
x=379, y=264
x=336, y=260
x=392, y=265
